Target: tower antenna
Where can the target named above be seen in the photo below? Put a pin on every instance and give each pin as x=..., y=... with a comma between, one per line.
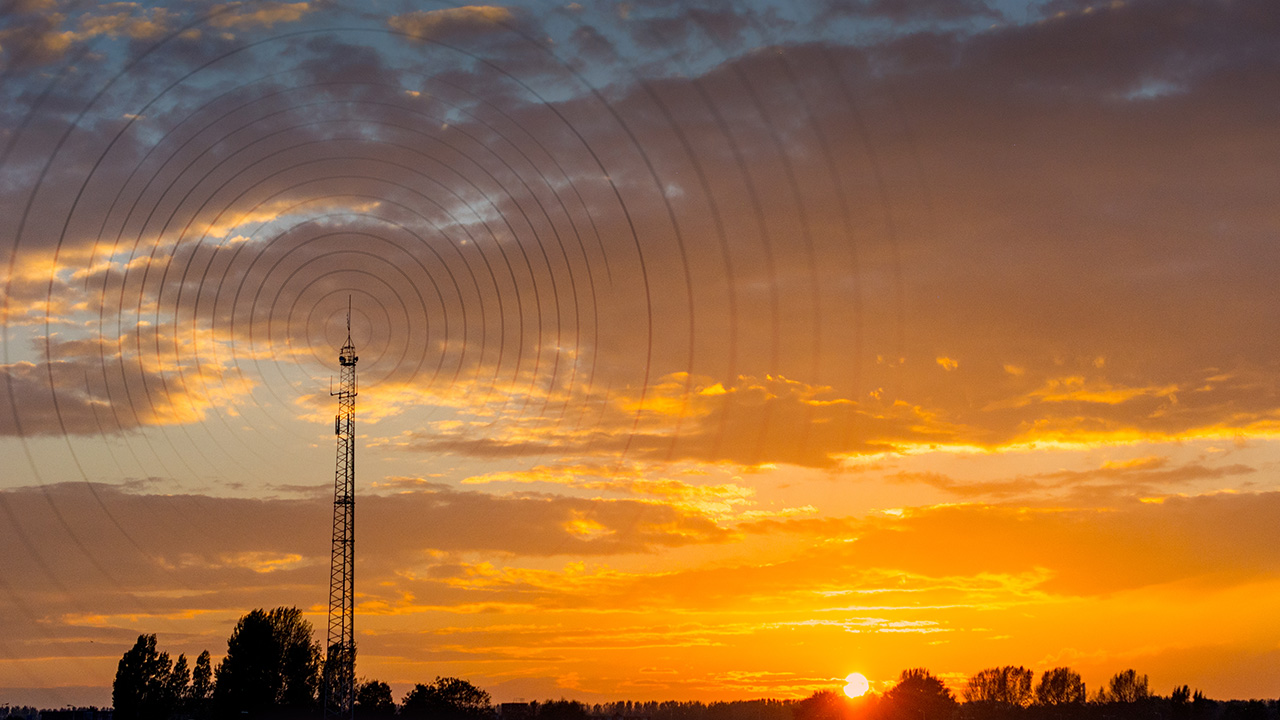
x=340, y=659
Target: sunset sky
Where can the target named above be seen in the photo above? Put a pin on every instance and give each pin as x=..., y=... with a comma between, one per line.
x=709, y=349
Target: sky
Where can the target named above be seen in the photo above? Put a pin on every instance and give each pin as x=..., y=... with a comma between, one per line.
x=708, y=350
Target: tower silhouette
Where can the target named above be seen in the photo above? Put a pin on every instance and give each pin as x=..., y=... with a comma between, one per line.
x=340, y=658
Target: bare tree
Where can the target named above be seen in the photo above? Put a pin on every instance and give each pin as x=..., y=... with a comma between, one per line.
x=1007, y=686
x=1126, y=686
x=1060, y=686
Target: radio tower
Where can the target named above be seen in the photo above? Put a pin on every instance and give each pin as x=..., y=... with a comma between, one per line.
x=340, y=660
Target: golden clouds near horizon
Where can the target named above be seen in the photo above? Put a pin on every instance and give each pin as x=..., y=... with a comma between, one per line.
x=452, y=580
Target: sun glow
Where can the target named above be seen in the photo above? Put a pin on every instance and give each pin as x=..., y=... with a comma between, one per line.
x=857, y=685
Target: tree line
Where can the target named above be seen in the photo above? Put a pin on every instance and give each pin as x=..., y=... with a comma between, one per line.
x=273, y=669
x=1012, y=693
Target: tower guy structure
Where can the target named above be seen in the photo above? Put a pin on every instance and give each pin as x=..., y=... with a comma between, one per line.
x=340, y=659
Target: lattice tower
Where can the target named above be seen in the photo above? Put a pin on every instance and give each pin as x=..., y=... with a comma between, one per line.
x=340, y=659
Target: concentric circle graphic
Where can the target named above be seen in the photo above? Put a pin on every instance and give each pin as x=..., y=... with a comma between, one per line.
x=578, y=248
x=707, y=349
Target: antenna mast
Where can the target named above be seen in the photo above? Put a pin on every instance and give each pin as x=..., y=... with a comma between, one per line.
x=340, y=660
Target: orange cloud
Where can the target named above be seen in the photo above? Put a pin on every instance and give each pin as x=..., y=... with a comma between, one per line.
x=429, y=24
x=959, y=576
x=751, y=422
x=42, y=35
x=238, y=15
x=1076, y=389
x=722, y=501
x=145, y=378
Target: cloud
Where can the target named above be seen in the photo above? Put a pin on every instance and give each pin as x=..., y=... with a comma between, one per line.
x=38, y=34
x=452, y=577
x=126, y=21
x=723, y=501
x=751, y=422
x=903, y=11
x=458, y=21
x=240, y=16
x=573, y=282
x=756, y=421
x=1150, y=477
x=1137, y=545
x=157, y=562
x=1076, y=389
x=564, y=344
x=203, y=543
x=88, y=387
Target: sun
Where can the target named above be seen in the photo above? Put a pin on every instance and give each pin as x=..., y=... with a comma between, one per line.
x=857, y=685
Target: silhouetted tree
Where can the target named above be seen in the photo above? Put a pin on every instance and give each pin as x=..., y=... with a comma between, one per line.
x=200, y=693
x=1202, y=707
x=179, y=684
x=143, y=688
x=446, y=699
x=562, y=710
x=1002, y=687
x=1126, y=686
x=822, y=705
x=1180, y=703
x=918, y=696
x=1060, y=686
x=1246, y=710
x=373, y=700
x=272, y=665
x=333, y=665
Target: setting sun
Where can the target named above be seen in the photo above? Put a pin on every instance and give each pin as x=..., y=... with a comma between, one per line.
x=856, y=686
